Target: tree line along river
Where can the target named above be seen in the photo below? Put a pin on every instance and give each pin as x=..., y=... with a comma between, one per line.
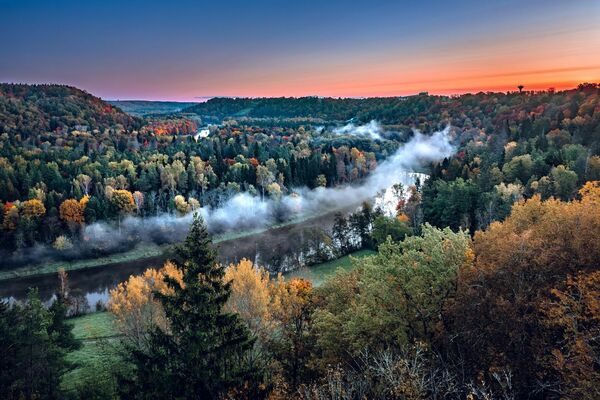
x=279, y=249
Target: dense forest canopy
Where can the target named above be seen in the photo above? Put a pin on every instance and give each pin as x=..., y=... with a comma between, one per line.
x=423, y=111
x=68, y=158
x=142, y=108
x=36, y=109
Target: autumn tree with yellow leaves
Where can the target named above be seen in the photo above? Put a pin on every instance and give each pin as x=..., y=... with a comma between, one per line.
x=529, y=288
x=571, y=321
x=251, y=296
x=33, y=208
x=293, y=311
x=181, y=205
x=123, y=201
x=135, y=308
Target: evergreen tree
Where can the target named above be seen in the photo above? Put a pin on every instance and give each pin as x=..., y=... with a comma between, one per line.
x=8, y=349
x=40, y=360
x=203, y=354
x=32, y=361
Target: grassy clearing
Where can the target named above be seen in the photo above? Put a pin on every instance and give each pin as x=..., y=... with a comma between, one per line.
x=95, y=360
x=94, y=326
x=318, y=273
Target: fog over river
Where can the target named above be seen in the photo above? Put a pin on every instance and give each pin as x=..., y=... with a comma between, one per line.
x=279, y=249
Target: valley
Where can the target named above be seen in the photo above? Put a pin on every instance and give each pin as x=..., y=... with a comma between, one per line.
x=346, y=232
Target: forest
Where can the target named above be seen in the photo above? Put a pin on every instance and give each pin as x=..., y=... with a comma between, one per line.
x=68, y=159
x=510, y=313
x=76, y=163
x=484, y=283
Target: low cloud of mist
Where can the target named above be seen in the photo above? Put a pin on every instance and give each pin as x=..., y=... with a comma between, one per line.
x=244, y=211
x=372, y=130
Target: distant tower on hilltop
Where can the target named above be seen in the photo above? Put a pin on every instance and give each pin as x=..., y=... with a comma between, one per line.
x=520, y=88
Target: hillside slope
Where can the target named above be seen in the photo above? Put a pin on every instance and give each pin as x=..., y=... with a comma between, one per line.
x=33, y=109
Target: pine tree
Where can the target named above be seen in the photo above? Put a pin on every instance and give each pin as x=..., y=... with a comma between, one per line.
x=32, y=360
x=9, y=318
x=202, y=357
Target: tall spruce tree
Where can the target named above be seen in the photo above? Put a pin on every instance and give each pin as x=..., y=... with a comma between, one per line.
x=31, y=360
x=9, y=319
x=203, y=354
x=62, y=331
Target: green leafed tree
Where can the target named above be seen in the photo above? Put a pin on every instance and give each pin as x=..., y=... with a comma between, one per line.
x=391, y=299
x=384, y=227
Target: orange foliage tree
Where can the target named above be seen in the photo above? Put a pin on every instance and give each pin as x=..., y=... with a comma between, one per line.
x=33, y=208
x=293, y=309
x=571, y=318
x=11, y=217
x=133, y=304
x=499, y=315
x=71, y=211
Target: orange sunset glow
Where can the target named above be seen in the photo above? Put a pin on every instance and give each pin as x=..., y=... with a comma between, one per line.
x=394, y=48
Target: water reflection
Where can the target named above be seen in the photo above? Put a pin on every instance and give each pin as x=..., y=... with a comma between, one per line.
x=280, y=249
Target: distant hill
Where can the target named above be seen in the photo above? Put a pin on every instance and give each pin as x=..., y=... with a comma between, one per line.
x=142, y=108
x=325, y=108
x=33, y=109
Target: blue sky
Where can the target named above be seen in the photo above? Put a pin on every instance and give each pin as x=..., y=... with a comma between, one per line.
x=182, y=49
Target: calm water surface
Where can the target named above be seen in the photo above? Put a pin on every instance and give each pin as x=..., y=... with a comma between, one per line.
x=279, y=249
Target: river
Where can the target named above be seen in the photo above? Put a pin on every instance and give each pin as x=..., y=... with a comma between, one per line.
x=279, y=249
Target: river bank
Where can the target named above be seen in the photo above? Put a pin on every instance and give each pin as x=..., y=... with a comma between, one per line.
x=279, y=248
x=140, y=252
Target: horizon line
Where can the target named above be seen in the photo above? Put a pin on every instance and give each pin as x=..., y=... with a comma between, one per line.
x=540, y=87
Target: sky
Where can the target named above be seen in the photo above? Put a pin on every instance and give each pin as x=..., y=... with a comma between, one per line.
x=190, y=50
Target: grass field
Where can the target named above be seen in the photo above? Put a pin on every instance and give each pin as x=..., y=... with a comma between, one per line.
x=94, y=361
x=319, y=272
x=93, y=326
